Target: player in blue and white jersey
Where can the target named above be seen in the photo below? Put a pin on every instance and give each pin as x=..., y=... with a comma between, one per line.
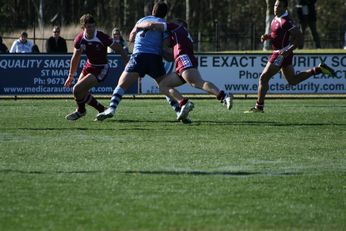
x=146, y=59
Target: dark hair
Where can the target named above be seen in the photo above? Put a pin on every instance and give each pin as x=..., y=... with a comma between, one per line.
x=24, y=34
x=86, y=19
x=160, y=9
x=35, y=49
x=285, y=3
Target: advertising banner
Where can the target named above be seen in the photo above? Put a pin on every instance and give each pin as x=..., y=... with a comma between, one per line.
x=239, y=74
x=45, y=74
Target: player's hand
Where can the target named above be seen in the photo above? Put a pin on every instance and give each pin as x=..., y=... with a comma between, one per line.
x=265, y=37
x=68, y=81
x=284, y=52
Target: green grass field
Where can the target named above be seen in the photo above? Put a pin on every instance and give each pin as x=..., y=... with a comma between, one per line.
x=281, y=170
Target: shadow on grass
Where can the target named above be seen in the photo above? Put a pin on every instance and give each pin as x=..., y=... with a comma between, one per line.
x=210, y=173
x=156, y=172
x=145, y=125
x=263, y=123
x=81, y=129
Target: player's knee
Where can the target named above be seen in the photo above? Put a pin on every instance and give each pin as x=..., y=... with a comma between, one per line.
x=263, y=80
x=163, y=87
x=76, y=90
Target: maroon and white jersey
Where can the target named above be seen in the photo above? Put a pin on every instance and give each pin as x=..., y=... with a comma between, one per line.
x=95, y=48
x=280, y=28
x=181, y=40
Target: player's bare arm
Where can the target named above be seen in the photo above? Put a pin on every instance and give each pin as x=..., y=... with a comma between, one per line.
x=265, y=37
x=167, y=52
x=132, y=35
x=73, y=66
x=152, y=26
x=119, y=49
x=296, y=38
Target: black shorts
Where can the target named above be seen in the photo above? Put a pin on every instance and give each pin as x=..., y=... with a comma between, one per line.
x=146, y=64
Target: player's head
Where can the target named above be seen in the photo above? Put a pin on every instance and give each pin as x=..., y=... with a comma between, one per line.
x=160, y=9
x=280, y=7
x=87, y=23
x=86, y=19
x=181, y=22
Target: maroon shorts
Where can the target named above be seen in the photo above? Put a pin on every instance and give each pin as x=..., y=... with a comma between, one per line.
x=287, y=61
x=184, y=62
x=99, y=71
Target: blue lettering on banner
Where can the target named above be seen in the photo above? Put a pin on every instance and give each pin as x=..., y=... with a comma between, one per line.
x=43, y=74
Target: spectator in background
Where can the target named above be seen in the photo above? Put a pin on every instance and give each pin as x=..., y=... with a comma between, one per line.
x=35, y=49
x=3, y=47
x=56, y=44
x=118, y=38
x=307, y=18
x=22, y=45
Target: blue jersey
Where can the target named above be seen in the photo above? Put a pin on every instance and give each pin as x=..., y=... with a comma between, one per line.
x=149, y=41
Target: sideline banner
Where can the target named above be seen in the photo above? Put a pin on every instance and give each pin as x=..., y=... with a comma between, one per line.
x=239, y=74
x=45, y=74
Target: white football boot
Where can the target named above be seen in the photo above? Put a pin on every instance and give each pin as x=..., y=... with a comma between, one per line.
x=184, y=111
x=108, y=113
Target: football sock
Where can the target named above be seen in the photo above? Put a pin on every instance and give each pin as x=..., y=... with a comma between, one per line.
x=259, y=105
x=95, y=104
x=81, y=105
x=221, y=95
x=174, y=104
x=182, y=102
x=315, y=70
x=116, y=97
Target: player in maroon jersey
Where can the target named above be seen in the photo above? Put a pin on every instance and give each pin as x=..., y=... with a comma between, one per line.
x=185, y=65
x=285, y=37
x=94, y=43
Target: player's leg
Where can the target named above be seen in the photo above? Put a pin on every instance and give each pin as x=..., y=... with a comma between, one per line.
x=194, y=78
x=182, y=106
x=156, y=70
x=263, y=85
x=100, y=74
x=294, y=79
x=163, y=83
x=168, y=83
x=126, y=80
x=82, y=95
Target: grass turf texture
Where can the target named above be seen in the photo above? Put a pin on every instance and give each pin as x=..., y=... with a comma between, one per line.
x=141, y=170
